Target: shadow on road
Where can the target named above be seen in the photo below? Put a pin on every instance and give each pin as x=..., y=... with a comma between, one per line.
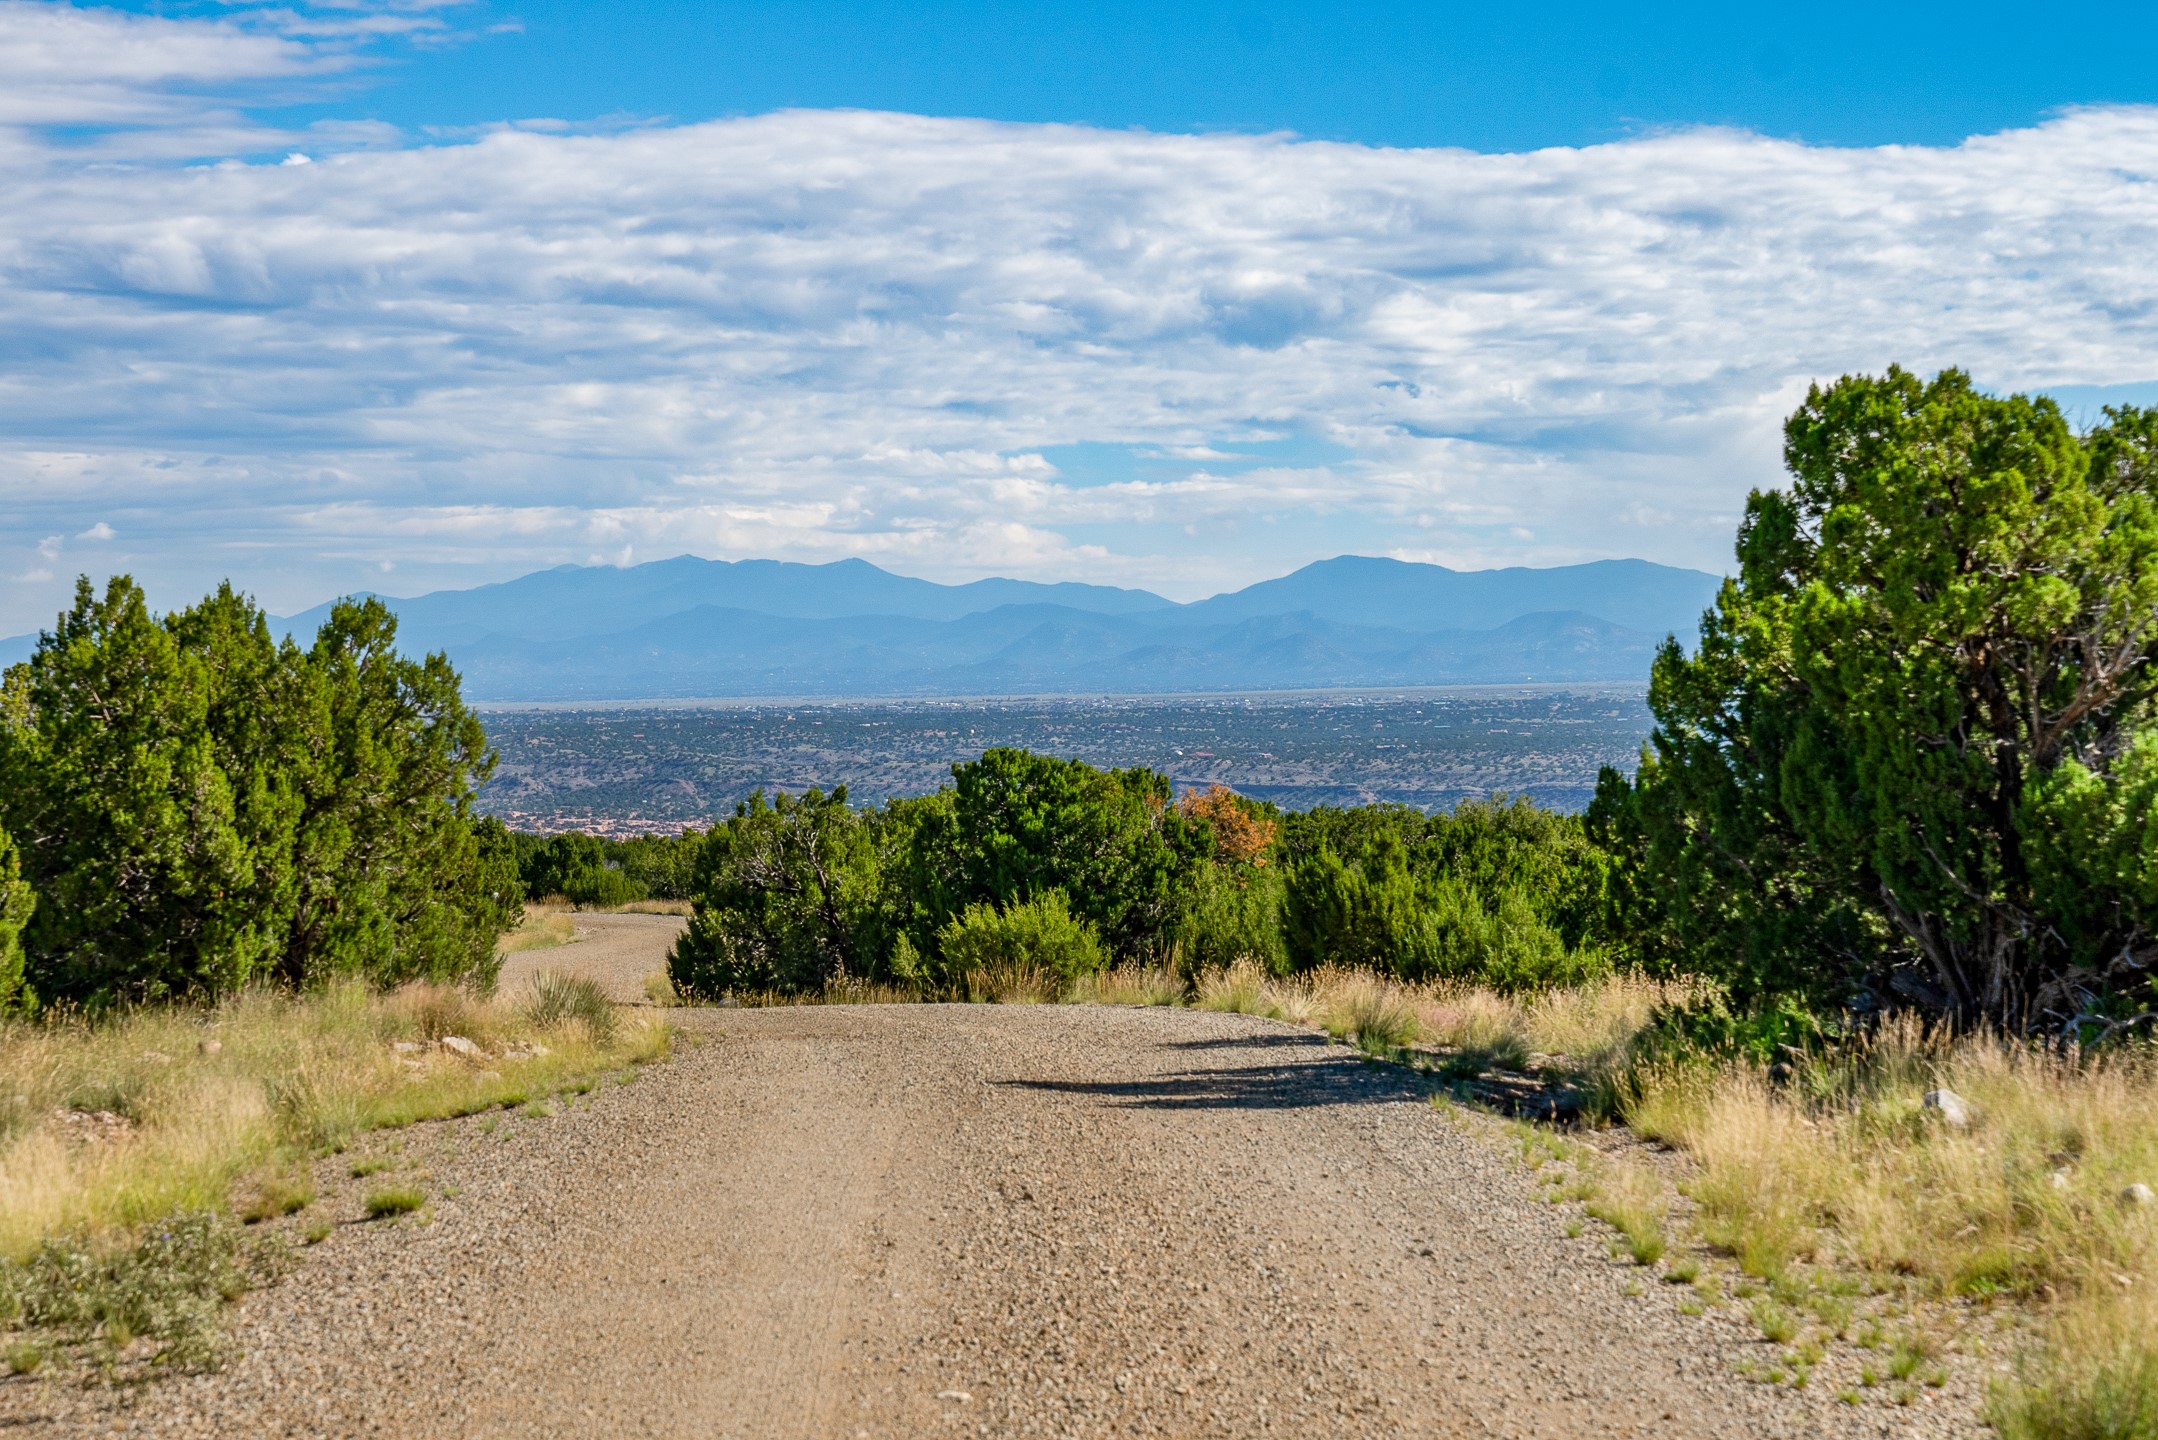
x=1340, y=1079
x=1248, y=1042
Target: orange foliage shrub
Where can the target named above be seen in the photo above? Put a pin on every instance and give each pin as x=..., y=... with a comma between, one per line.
x=1240, y=834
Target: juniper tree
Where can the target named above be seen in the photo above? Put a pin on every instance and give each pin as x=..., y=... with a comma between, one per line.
x=1915, y=746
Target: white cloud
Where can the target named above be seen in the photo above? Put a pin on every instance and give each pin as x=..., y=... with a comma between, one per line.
x=99, y=531
x=816, y=334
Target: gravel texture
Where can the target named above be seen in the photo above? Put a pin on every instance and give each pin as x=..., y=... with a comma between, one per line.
x=976, y=1220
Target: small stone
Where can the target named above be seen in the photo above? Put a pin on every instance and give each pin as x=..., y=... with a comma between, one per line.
x=405, y=1047
x=960, y=1395
x=459, y=1045
x=2137, y=1194
x=1953, y=1107
x=2060, y=1179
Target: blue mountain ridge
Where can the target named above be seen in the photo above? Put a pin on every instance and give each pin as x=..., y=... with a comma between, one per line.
x=689, y=627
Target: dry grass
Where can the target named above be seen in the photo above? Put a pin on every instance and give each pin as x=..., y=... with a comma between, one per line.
x=1631, y=1202
x=1845, y=1166
x=1128, y=985
x=1011, y=985
x=539, y=929
x=1589, y=1025
x=848, y=991
x=561, y=905
x=112, y=1125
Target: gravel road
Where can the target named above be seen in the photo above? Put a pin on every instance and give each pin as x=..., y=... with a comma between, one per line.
x=975, y=1220
x=618, y=951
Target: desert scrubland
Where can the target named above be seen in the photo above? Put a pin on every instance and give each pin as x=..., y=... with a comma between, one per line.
x=1801, y=1084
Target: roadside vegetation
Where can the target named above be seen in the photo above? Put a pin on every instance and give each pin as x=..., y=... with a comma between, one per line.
x=246, y=916
x=1868, y=936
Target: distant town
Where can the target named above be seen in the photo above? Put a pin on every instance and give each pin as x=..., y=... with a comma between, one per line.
x=625, y=771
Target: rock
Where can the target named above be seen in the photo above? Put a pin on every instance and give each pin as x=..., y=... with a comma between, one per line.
x=960, y=1395
x=459, y=1045
x=2137, y=1194
x=1953, y=1107
x=2060, y=1179
x=405, y=1047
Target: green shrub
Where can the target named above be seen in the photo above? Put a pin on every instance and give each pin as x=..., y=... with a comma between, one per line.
x=1038, y=934
x=600, y=887
x=1232, y=914
x=16, y=902
x=200, y=806
x=168, y=1287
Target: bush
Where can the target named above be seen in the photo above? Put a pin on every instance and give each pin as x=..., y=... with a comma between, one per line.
x=1039, y=934
x=167, y=1288
x=16, y=902
x=786, y=898
x=600, y=888
x=559, y=999
x=1379, y=914
x=1232, y=915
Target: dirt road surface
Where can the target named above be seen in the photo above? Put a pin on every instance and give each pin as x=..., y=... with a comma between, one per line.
x=618, y=951
x=952, y=1220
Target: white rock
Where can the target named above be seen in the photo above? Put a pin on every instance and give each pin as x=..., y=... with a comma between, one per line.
x=960, y=1395
x=459, y=1045
x=2137, y=1194
x=406, y=1047
x=1953, y=1107
x=2060, y=1179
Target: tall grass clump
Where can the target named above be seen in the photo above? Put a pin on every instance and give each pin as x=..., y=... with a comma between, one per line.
x=1369, y=1009
x=559, y=999
x=1128, y=985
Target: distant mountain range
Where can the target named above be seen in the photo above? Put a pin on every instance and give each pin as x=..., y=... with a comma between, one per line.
x=688, y=627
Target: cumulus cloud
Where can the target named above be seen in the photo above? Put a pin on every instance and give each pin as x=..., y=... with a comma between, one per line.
x=815, y=334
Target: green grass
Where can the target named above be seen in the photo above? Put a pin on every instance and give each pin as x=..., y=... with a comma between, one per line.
x=1776, y=1323
x=276, y=1196
x=393, y=1200
x=168, y=1287
x=1631, y=1202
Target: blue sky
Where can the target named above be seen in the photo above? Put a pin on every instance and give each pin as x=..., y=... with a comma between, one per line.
x=1487, y=77
x=397, y=294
